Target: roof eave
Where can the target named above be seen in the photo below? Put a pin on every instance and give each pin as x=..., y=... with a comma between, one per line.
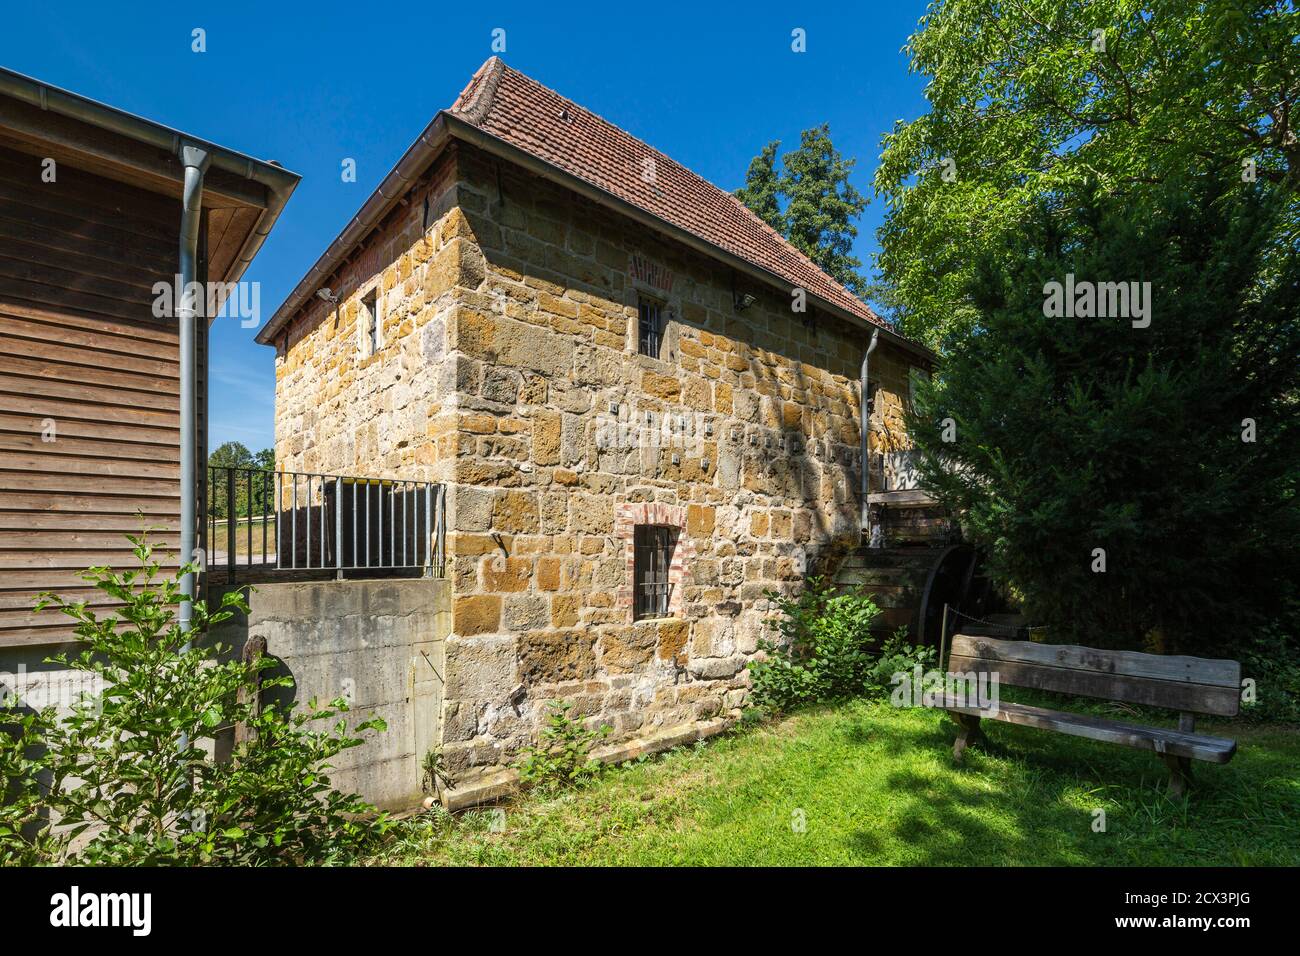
x=413, y=162
x=279, y=182
x=447, y=125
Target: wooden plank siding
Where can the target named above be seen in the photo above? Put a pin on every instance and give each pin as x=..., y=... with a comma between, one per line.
x=80, y=348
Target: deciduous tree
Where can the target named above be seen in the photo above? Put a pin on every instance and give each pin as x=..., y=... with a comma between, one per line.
x=1031, y=98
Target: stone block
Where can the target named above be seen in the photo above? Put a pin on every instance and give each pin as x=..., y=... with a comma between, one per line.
x=555, y=512
x=471, y=507
x=523, y=346
x=548, y=573
x=564, y=610
x=480, y=670
x=546, y=438
x=476, y=614
x=552, y=657
x=593, y=514
x=501, y=385
x=474, y=333
x=716, y=668
x=516, y=511
x=660, y=386
x=629, y=648
x=526, y=612
x=713, y=637
x=672, y=640
x=700, y=520
x=506, y=574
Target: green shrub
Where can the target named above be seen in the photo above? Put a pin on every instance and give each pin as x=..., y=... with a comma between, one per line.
x=23, y=839
x=131, y=771
x=563, y=757
x=898, y=655
x=1115, y=477
x=1272, y=660
x=434, y=775
x=826, y=651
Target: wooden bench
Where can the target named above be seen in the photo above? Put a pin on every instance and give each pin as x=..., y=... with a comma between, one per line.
x=1189, y=685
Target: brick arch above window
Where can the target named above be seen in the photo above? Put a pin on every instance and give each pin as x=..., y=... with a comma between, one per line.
x=626, y=518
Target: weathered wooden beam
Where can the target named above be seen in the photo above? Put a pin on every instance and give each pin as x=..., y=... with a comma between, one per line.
x=1170, y=694
x=1198, y=670
x=254, y=649
x=1139, y=736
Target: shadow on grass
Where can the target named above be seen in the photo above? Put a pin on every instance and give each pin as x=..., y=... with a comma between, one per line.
x=873, y=785
x=940, y=814
x=1029, y=797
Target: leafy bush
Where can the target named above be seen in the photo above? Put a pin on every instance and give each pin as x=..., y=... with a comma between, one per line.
x=826, y=651
x=129, y=773
x=898, y=655
x=1272, y=660
x=563, y=757
x=20, y=808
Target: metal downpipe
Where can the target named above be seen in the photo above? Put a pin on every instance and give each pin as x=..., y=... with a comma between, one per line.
x=195, y=160
x=864, y=417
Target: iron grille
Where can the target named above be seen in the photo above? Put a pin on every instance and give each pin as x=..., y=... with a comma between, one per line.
x=651, y=331
x=653, y=555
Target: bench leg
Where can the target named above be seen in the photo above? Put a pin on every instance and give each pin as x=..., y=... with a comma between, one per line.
x=968, y=732
x=1180, y=774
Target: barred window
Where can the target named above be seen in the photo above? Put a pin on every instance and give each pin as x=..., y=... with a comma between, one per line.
x=372, y=330
x=650, y=327
x=653, y=554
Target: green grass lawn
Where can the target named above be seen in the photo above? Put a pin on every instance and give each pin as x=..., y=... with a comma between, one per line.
x=259, y=531
x=875, y=785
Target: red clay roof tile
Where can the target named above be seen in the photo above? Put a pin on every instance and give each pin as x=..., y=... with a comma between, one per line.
x=517, y=109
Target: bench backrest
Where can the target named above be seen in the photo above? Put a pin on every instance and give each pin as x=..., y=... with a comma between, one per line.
x=1191, y=684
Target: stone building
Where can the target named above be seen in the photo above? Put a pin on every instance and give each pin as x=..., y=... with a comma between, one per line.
x=642, y=400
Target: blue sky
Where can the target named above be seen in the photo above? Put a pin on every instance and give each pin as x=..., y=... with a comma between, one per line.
x=310, y=84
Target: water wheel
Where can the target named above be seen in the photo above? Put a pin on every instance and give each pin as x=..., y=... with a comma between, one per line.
x=957, y=579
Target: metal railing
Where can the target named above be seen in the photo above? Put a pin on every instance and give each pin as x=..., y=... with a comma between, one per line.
x=277, y=521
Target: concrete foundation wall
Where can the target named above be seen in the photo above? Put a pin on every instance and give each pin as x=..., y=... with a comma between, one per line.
x=380, y=645
x=29, y=681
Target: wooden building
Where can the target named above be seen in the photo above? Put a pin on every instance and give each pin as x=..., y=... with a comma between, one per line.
x=90, y=223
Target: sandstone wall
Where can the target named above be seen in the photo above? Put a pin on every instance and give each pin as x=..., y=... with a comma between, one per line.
x=340, y=409
x=743, y=434
x=513, y=375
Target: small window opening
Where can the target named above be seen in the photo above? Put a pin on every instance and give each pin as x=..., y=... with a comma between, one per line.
x=653, y=546
x=650, y=327
x=371, y=328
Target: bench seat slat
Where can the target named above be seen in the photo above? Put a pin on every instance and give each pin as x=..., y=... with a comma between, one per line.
x=1158, y=739
x=1216, y=672
x=1172, y=695
x=1191, y=684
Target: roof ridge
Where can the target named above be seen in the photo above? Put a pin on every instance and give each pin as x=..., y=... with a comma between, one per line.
x=592, y=155
x=475, y=100
x=481, y=102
